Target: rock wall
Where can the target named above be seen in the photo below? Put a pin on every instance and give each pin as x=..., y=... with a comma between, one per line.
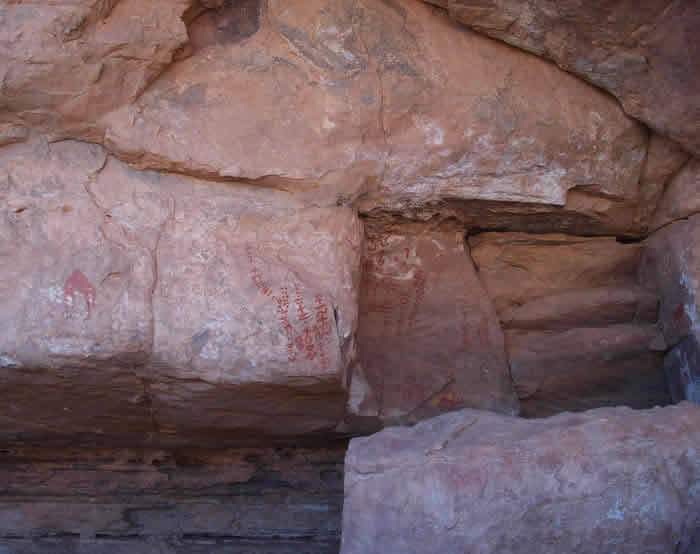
x=255, y=224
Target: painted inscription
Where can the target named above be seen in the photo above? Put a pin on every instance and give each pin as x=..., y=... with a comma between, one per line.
x=76, y=284
x=307, y=328
x=393, y=287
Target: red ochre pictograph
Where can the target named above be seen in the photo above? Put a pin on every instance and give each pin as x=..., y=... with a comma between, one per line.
x=77, y=283
x=307, y=338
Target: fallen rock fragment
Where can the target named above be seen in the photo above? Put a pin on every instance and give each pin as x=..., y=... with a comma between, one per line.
x=606, y=480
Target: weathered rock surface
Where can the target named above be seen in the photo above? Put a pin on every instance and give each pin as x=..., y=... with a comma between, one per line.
x=647, y=54
x=285, y=500
x=608, y=480
x=681, y=197
x=664, y=160
x=518, y=268
x=682, y=367
x=350, y=98
x=159, y=306
x=580, y=328
x=586, y=367
x=65, y=64
x=672, y=264
x=428, y=337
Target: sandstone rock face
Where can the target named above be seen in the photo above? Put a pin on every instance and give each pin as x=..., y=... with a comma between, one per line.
x=64, y=64
x=429, y=339
x=349, y=98
x=580, y=330
x=608, y=480
x=672, y=263
x=681, y=197
x=646, y=55
x=665, y=159
x=129, y=295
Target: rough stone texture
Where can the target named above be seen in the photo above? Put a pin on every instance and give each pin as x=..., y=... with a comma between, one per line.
x=284, y=500
x=664, y=160
x=428, y=337
x=347, y=98
x=672, y=264
x=580, y=328
x=681, y=197
x=608, y=480
x=647, y=55
x=682, y=367
x=159, y=306
x=64, y=64
x=584, y=367
x=518, y=268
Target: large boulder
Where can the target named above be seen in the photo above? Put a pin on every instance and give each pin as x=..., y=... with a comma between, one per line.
x=646, y=54
x=580, y=328
x=603, y=481
x=378, y=100
x=428, y=337
x=147, y=305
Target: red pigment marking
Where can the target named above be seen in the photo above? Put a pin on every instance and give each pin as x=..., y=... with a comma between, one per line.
x=322, y=328
x=448, y=401
x=255, y=275
x=78, y=283
x=283, y=313
x=299, y=301
x=679, y=312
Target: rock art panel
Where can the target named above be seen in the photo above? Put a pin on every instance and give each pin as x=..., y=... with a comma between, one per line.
x=470, y=481
x=148, y=306
x=74, y=300
x=429, y=340
x=349, y=99
x=646, y=55
x=254, y=306
x=580, y=324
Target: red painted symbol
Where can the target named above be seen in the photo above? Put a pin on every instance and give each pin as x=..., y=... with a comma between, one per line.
x=78, y=283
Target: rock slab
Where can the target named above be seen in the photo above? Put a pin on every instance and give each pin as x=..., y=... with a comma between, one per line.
x=603, y=481
x=428, y=337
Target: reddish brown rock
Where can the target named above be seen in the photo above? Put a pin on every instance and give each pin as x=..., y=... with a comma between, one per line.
x=518, y=268
x=74, y=304
x=645, y=54
x=599, y=306
x=586, y=367
x=351, y=98
x=607, y=480
x=682, y=368
x=168, y=307
x=664, y=160
x=580, y=328
x=672, y=265
x=681, y=197
x=63, y=65
x=429, y=339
